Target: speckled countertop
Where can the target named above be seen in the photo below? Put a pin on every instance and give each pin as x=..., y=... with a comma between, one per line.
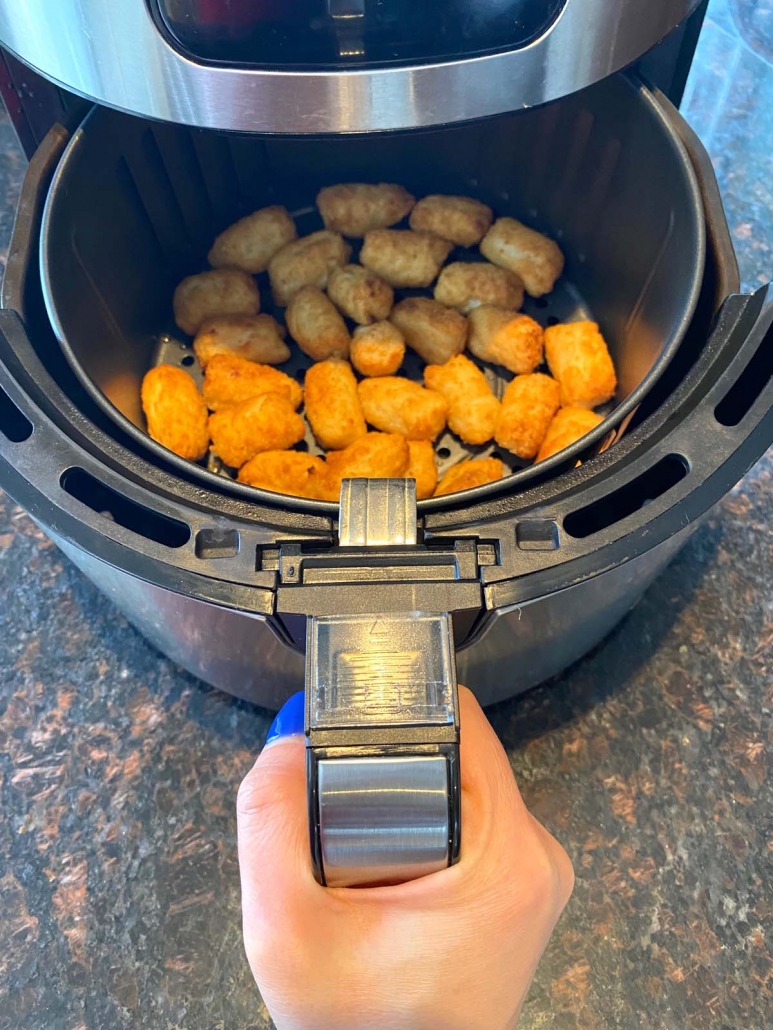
x=119, y=902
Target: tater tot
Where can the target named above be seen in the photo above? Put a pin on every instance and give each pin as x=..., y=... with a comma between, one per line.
x=472, y=407
x=251, y=242
x=264, y=423
x=435, y=332
x=528, y=405
x=396, y=405
x=223, y=291
x=255, y=338
x=465, y=285
x=284, y=472
x=306, y=262
x=537, y=259
x=361, y=294
x=461, y=220
x=232, y=380
x=378, y=349
x=316, y=325
x=373, y=456
x=356, y=207
x=471, y=473
x=404, y=258
x=506, y=338
x=422, y=467
x=568, y=425
x=175, y=412
x=578, y=358
x=333, y=404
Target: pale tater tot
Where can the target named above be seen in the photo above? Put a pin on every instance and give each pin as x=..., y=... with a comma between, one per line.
x=284, y=472
x=568, y=425
x=506, y=338
x=232, y=380
x=528, y=406
x=316, y=325
x=264, y=423
x=361, y=294
x=466, y=285
x=252, y=337
x=578, y=358
x=251, y=242
x=404, y=258
x=461, y=220
x=373, y=456
x=471, y=473
x=223, y=291
x=472, y=407
x=422, y=467
x=333, y=404
x=537, y=259
x=396, y=405
x=306, y=262
x=175, y=412
x=356, y=207
x=434, y=331
x=378, y=349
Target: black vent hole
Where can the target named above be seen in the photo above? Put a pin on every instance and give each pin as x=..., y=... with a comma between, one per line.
x=13, y=425
x=628, y=499
x=748, y=386
x=115, y=507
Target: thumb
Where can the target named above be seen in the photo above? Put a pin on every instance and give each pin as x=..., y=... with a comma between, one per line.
x=271, y=815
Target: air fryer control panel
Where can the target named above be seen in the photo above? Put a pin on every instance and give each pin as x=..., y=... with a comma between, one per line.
x=324, y=33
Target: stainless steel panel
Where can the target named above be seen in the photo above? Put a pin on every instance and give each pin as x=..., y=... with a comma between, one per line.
x=383, y=819
x=113, y=52
x=524, y=645
x=236, y=652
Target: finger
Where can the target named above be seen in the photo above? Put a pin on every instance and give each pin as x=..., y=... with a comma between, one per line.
x=272, y=826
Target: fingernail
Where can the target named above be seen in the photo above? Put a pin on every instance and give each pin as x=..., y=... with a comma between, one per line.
x=289, y=719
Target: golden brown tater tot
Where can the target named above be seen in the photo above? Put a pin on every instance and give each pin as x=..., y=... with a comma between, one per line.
x=223, y=291
x=422, y=467
x=356, y=207
x=472, y=407
x=396, y=405
x=578, y=358
x=333, y=404
x=316, y=325
x=461, y=220
x=435, y=332
x=250, y=243
x=284, y=472
x=471, y=473
x=537, y=259
x=232, y=380
x=404, y=258
x=528, y=405
x=264, y=423
x=568, y=425
x=378, y=349
x=373, y=456
x=175, y=412
x=506, y=338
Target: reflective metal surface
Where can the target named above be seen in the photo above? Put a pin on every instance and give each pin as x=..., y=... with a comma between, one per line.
x=114, y=53
x=383, y=819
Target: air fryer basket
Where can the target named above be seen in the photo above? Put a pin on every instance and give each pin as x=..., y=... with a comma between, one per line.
x=134, y=207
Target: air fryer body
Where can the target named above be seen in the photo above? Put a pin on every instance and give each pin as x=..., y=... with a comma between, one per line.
x=517, y=647
x=222, y=578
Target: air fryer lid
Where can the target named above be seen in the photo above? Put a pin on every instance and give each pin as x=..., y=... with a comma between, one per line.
x=321, y=66
x=134, y=207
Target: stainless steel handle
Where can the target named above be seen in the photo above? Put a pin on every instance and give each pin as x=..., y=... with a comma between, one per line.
x=382, y=728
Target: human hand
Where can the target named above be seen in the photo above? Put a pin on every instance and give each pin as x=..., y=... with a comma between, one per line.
x=455, y=950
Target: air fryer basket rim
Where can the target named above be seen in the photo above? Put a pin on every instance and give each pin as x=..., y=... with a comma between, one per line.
x=657, y=106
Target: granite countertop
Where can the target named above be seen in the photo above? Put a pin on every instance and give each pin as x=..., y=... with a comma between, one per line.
x=119, y=903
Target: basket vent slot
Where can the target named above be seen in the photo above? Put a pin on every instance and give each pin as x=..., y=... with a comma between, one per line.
x=739, y=399
x=122, y=510
x=629, y=498
x=217, y=543
x=13, y=425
